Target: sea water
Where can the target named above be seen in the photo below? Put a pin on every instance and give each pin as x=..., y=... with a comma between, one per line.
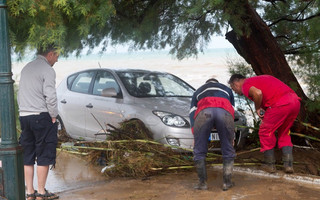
x=212, y=63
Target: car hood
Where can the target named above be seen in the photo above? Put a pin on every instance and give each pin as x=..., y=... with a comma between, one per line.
x=176, y=105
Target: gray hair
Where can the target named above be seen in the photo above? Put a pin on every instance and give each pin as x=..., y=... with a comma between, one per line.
x=212, y=79
x=44, y=50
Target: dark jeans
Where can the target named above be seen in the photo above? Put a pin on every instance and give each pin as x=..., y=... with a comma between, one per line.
x=207, y=119
x=38, y=139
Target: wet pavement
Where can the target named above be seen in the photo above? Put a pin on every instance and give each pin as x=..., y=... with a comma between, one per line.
x=72, y=172
x=74, y=179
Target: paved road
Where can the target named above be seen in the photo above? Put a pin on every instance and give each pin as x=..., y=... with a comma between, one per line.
x=75, y=179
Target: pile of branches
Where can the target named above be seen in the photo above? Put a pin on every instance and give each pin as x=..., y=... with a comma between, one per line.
x=133, y=158
x=129, y=151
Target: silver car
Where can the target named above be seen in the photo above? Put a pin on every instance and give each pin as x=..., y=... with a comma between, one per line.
x=95, y=97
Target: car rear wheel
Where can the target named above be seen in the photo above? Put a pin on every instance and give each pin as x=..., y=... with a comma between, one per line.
x=62, y=133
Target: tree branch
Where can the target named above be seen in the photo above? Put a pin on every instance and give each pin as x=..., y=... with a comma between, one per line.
x=296, y=19
x=301, y=49
x=200, y=16
x=273, y=2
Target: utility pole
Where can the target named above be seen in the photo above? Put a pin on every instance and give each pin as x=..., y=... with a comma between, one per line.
x=11, y=173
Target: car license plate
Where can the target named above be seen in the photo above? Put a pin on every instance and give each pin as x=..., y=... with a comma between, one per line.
x=214, y=137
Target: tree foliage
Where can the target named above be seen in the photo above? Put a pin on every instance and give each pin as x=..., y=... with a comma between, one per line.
x=186, y=26
x=72, y=25
x=296, y=26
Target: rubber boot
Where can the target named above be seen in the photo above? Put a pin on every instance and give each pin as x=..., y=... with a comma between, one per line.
x=269, y=161
x=287, y=159
x=227, y=174
x=202, y=175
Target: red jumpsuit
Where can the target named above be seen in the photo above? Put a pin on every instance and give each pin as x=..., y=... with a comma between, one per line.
x=282, y=106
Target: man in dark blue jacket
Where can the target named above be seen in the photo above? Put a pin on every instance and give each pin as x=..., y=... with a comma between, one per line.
x=212, y=107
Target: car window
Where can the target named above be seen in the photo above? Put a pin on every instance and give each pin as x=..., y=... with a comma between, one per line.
x=82, y=82
x=173, y=86
x=104, y=80
x=146, y=84
x=70, y=80
x=145, y=88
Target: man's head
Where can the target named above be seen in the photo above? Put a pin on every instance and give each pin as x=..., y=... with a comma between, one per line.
x=236, y=82
x=212, y=80
x=50, y=52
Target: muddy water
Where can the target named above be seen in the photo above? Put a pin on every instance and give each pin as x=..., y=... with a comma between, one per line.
x=179, y=186
x=73, y=174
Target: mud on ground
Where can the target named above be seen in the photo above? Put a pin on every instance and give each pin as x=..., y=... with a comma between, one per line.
x=179, y=186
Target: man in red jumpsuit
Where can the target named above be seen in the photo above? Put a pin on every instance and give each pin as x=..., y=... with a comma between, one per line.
x=278, y=106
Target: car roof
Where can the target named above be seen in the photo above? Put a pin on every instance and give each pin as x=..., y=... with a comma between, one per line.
x=124, y=70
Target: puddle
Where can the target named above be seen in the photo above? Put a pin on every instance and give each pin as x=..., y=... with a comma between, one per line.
x=71, y=172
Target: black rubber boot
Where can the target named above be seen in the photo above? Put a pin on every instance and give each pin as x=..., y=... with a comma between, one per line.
x=227, y=174
x=202, y=175
x=287, y=159
x=269, y=161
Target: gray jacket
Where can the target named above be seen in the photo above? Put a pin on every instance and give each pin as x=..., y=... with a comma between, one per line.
x=37, y=88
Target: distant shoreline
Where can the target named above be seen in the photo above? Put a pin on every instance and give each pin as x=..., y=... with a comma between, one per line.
x=193, y=70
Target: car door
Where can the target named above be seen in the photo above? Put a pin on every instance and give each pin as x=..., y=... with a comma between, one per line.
x=103, y=110
x=74, y=104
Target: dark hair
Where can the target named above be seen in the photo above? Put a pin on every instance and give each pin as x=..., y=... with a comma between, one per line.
x=212, y=79
x=235, y=77
x=44, y=50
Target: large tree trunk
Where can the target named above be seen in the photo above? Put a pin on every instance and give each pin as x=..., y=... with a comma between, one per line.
x=260, y=49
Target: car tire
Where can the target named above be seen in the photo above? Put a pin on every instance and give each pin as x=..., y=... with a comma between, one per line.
x=240, y=140
x=63, y=136
x=131, y=129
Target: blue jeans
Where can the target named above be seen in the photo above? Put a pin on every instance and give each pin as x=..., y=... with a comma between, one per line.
x=205, y=121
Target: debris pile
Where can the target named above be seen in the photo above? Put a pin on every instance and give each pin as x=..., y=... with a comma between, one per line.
x=129, y=151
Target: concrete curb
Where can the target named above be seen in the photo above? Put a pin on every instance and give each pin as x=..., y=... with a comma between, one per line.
x=298, y=178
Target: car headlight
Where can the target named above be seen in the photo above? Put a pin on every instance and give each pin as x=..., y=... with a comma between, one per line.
x=173, y=141
x=171, y=119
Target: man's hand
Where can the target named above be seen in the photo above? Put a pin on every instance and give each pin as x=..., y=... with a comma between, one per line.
x=54, y=119
x=260, y=112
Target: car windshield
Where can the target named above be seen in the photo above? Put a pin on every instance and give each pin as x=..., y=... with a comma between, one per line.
x=146, y=84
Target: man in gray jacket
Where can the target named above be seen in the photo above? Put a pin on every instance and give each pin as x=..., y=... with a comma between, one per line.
x=37, y=102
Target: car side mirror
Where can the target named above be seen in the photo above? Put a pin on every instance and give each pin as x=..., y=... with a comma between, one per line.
x=109, y=92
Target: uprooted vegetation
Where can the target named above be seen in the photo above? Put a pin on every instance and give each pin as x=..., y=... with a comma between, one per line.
x=129, y=151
